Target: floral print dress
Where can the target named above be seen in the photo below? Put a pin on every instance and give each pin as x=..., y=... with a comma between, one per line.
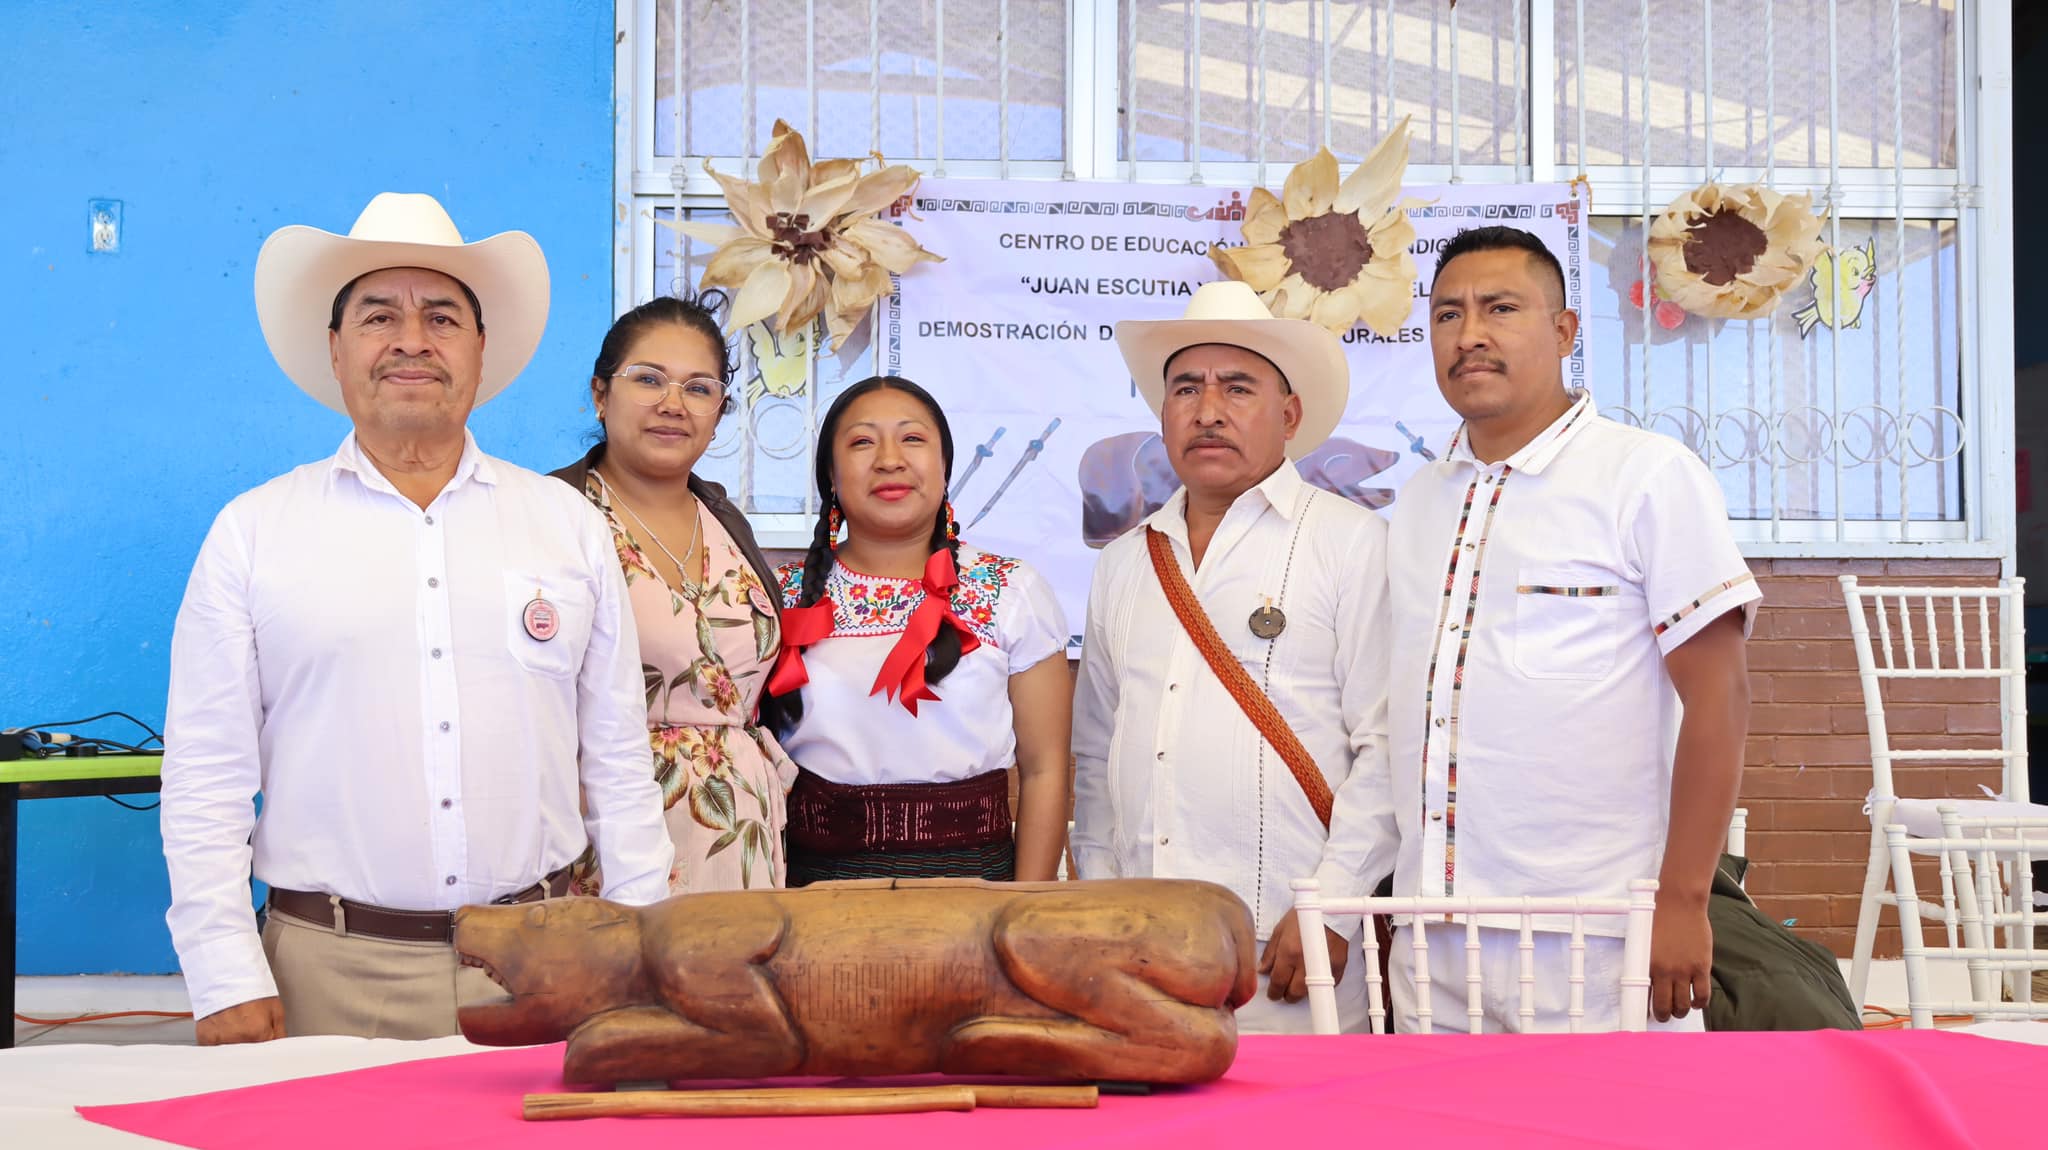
x=706, y=651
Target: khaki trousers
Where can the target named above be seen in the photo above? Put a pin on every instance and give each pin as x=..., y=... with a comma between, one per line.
x=367, y=987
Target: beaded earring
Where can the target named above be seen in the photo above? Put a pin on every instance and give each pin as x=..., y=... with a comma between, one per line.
x=832, y=522
x=952, y=524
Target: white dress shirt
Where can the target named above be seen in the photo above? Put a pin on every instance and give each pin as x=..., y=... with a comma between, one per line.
x=366, y=665
x=1535, y=598
x=1171, y=779
x=850, y=734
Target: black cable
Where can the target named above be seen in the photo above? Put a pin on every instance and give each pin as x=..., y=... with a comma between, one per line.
x=110, y=745
x=154, y=737
x=99, y=743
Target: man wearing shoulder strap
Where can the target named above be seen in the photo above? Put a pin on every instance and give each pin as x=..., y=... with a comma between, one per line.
x=1230, y=719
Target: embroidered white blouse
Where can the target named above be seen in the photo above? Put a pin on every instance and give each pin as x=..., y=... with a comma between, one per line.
x=850, y=735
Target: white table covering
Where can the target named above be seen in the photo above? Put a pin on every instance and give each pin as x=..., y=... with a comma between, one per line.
x=39, y=1085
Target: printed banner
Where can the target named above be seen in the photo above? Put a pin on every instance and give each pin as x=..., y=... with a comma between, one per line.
x=1055, y=452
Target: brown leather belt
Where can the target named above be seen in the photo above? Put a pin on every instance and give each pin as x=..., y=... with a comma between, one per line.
x=346, y=916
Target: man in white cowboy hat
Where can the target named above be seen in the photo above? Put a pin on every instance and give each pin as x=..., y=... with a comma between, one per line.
x=420, y=655
x=1173, y=778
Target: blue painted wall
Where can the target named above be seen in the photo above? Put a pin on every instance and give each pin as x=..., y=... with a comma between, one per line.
x=137, y=395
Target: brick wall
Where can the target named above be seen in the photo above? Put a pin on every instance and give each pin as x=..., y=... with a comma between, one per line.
x=1808, y=761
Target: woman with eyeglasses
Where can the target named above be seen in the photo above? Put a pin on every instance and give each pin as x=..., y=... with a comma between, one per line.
x=709, y=627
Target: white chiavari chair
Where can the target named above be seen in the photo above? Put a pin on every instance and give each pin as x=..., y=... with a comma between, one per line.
x=1990, y=925
x=1930, y=633
x=1313, y=911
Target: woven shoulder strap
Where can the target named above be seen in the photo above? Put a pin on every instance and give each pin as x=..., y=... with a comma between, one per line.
x=1257, y=707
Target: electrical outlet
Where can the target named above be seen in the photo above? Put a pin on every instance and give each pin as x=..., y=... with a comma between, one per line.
x=103, y=221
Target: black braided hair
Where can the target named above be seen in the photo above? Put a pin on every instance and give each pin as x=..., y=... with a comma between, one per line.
x=780, y=713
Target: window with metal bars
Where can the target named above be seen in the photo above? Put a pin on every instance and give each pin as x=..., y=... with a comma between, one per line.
x=1881, y=426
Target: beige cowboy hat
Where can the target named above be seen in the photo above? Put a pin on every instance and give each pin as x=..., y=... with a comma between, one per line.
x=301, y=269
x=1230, y=312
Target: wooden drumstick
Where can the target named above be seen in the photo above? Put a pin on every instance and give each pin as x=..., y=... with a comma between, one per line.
x=1036, y=1097
x=804, y=1100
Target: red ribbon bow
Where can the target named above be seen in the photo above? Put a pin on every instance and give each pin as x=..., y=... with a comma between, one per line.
x=902, y=675
x=801, y=627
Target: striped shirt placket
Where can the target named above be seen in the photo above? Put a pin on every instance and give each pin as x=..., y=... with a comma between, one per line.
x=1429, y=682
x=1478, y=549
x=1458, y=664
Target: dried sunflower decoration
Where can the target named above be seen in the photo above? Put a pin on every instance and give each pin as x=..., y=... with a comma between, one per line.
x=1332, y=252
x=809, y=238
x=1732, y=253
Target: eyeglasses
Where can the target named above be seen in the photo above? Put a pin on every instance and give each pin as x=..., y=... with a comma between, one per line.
x=648, y=386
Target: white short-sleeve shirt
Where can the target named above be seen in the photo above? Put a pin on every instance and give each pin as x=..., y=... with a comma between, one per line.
x=1534, y=599
x=849, y=734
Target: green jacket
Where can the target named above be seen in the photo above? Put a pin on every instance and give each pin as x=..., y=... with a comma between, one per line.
x=1766, y=977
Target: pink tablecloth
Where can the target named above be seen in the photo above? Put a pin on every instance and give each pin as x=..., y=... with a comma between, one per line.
x=1826, y=1088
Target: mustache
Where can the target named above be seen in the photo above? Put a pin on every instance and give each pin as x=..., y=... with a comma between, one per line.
x=1473, y=361
x=411, y=363
x=1209, y=437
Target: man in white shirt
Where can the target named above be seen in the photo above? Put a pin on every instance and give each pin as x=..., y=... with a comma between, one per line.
x=421, y=656
x=1172, y=780
x=1569, y=694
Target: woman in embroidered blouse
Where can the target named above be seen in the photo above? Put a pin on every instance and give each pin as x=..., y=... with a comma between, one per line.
x=709, y=628
x=915, y=669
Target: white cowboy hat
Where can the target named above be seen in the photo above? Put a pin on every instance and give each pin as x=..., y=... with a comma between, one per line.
x=1230, y=312
x=301, y=269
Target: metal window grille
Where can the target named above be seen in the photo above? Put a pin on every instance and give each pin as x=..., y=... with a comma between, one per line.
x=1883, y=429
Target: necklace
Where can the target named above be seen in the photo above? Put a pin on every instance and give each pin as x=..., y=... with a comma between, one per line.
x=1268, y=621
x=690, y=590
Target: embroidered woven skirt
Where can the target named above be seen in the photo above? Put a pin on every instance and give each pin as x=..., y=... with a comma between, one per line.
x=900, y=830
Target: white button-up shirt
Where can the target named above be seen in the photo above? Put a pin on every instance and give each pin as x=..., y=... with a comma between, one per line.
x=1171, y=779
x=1535, y=598
x=366, y=665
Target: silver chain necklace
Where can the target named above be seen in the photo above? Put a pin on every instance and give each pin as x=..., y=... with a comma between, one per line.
x=689, y=589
